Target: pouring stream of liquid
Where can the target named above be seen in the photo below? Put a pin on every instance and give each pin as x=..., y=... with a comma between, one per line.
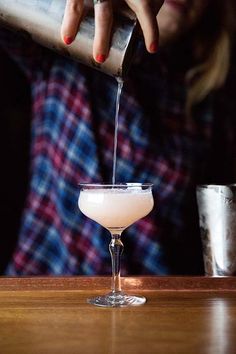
x=119, y=89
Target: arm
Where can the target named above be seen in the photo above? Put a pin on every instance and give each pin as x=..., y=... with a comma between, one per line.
x=145, y=10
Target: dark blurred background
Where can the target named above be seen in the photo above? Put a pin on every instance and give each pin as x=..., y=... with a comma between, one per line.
x=15, y=145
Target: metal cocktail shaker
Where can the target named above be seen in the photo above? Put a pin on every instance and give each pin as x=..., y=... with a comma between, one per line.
x=42, y=19
x=217, y=218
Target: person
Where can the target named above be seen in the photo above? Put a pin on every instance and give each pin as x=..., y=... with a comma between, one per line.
x=176, y=129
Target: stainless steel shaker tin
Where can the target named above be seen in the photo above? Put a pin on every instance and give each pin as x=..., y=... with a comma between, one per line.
x=217, y=218
x=42, y=19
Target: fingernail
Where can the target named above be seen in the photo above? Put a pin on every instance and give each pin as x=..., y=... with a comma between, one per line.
x=153, y=47
x=68, y=40
x=100, y=58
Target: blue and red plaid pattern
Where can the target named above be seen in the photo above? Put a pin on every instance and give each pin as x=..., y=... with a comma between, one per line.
x=72, y=141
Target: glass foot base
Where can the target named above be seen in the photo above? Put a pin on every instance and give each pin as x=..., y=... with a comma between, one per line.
x=117, y=300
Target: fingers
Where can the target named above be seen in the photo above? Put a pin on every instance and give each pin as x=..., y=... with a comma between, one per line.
x=71, y=20
x=103, y=24
x=146, y=12
x=103, y=13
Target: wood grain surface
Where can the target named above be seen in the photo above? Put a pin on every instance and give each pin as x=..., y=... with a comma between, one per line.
x=182, y=315
x=103, y=283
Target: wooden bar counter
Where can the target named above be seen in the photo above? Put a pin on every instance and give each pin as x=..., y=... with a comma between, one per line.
x=182, y=315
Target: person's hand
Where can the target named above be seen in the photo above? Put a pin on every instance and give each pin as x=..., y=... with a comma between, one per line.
x=145, y=10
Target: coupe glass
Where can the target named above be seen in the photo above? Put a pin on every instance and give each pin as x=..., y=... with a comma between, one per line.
x=115, y=207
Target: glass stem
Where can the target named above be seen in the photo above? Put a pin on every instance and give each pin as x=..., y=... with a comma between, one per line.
x=116, y=248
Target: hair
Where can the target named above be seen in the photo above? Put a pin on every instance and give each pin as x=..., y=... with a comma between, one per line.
x=212, y=45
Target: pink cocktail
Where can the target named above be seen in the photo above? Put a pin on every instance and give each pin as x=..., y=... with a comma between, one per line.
x=116, y=207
